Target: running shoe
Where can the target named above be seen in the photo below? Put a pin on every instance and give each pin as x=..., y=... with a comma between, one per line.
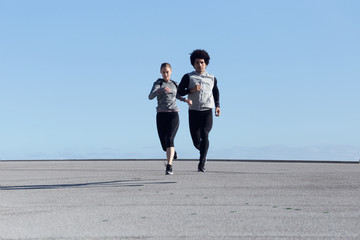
x=169, y=170
x=201, y=166
x=175, y=155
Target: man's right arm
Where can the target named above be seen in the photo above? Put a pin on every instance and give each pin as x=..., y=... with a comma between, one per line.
x=184, y=85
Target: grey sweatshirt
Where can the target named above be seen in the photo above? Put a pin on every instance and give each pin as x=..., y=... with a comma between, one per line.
x=166, y=101
x=207, y=97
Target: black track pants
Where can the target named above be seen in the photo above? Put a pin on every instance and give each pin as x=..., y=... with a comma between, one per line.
x=167, y=125
x=200, y=123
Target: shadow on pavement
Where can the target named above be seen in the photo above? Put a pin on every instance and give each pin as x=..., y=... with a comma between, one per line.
x=118, y=183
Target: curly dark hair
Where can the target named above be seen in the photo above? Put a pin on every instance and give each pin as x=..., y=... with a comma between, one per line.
x=201, y=54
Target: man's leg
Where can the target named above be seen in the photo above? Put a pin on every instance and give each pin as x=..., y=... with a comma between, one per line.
x=206, y=126
x=195, y=128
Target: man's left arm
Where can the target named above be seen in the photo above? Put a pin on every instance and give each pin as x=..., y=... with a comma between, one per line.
x=216, y=95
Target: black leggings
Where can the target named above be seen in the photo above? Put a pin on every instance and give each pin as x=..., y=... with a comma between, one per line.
x=167, y=125
x=200, y=123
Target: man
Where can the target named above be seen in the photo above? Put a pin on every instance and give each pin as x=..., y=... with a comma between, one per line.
x=201, y=88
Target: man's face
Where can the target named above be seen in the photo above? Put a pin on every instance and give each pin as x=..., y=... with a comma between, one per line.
x=200, y=65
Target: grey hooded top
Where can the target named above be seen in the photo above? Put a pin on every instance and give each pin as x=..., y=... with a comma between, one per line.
x=166, y=101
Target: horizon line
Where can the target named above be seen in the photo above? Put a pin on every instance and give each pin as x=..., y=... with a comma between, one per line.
x=185, y=159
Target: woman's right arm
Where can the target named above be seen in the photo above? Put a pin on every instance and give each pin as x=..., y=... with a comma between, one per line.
x=155, y=90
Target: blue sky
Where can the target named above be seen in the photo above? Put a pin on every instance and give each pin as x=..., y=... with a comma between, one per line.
x=75, y=77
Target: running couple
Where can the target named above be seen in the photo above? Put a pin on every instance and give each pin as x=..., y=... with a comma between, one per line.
x=203, y=96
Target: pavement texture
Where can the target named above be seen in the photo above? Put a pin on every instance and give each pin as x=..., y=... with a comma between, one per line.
x=136, y=200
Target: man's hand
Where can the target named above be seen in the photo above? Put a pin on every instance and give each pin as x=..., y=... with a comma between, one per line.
x=217, y=111
x=197, y=88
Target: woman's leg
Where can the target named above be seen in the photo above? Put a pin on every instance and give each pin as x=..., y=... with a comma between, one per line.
x=174, y=123
x=170, y=152
x=161, y=121
x=168, y=125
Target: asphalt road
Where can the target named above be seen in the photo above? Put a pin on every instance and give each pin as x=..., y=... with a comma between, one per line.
x=136, y=200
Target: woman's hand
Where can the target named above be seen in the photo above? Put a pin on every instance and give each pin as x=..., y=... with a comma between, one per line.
x=164, y=90
x=167, y=90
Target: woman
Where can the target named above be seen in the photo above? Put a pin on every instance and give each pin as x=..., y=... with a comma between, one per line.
x=167, y=117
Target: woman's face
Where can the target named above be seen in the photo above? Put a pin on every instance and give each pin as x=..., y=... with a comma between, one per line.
x=166, y=73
